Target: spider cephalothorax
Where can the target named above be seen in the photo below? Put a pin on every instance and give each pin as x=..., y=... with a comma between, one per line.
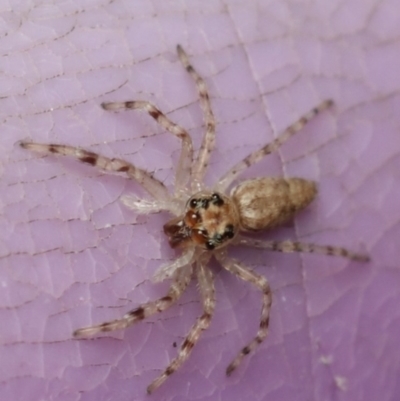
x=210, y=221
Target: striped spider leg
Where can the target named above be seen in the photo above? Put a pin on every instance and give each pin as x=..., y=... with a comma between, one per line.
x=207, y=145
x=206, y=221
x=180, y=270
x=271, y=147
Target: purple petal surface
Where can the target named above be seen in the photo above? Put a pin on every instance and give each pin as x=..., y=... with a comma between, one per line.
x=72, y=255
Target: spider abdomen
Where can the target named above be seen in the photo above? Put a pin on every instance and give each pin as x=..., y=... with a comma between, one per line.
x=264, y=203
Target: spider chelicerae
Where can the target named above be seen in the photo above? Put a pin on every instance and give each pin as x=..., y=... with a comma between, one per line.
x=207, y=220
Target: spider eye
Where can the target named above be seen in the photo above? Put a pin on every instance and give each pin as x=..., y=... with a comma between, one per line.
x=216, y=199
x=205, y=203
x=210, y=246
x=229, y=231
x=193, y=203
x=202, y=232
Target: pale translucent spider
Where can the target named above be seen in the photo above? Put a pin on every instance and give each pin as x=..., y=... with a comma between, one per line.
x=207, y=220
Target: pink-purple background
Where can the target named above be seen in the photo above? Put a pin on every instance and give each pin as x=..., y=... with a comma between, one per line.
x=71, y=254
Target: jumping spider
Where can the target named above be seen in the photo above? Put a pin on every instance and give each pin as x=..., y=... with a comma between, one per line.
x=207, y=220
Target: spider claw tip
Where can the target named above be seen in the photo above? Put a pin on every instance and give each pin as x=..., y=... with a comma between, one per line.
x=23, y=144
x=77, y=333
x=363, y=258
x=229, y=370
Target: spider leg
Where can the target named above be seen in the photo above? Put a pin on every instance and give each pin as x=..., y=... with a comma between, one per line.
x=206, y=285
x=145, y=206
x=168, y=270
x=208, y=142
x=186, y=157
x=261, y=283
x=294, y=246
x=271, y=147
x=177, y=288
x=153, y=186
